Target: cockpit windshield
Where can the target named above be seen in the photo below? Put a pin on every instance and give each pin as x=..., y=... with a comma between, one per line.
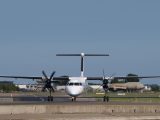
x=75, y=84
x=71, y=84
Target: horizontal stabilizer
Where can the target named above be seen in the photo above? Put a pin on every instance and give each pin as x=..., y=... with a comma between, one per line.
x=82, y=54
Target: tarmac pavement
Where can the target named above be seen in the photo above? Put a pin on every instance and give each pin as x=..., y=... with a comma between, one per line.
x=80, y=117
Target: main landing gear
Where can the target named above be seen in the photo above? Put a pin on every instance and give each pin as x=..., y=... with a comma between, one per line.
x=50, y=98
x=106, y=98
x=105, y=87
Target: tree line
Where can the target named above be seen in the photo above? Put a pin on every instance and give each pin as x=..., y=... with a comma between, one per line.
x=8, y=87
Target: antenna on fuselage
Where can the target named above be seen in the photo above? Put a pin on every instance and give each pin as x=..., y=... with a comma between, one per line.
x=82, y=59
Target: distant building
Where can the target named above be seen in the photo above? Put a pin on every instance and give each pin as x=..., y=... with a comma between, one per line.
x=147, y=88
x=28, y=87
x=21, y=86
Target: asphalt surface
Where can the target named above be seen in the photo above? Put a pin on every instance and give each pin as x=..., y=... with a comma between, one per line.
x=60, y=98
x=65, y=100
x=80, y=117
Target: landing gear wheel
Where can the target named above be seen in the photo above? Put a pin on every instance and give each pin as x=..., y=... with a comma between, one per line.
x=50, y=98
x=73, y=99
x=105, y=98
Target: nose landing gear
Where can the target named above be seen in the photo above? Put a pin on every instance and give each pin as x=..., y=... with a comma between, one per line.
x=73, y=99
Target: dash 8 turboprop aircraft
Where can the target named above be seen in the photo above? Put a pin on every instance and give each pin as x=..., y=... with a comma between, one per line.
x=76, y=85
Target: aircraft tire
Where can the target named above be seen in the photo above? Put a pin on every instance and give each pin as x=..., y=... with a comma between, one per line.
x=104, y=99
x=51, y=98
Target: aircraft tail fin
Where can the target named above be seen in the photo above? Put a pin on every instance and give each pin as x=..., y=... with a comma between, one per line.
x=82, y=59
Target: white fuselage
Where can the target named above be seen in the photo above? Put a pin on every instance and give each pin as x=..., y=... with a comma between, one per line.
x=75, y=86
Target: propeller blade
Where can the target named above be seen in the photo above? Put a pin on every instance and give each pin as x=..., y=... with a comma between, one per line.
x=103, y=73
x=52, y=89
x=52, y=75
x=43, y=89
x=45, y=75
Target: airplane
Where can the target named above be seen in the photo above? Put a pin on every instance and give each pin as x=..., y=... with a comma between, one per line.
x=126, y=86
x=76, y=85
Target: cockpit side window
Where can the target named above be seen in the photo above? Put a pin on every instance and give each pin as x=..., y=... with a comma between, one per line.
x=80, y=84
x=71, y=84
x=76, y=84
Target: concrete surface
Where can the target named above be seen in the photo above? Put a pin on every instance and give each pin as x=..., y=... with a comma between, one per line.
x=80, y=117
x=35, y=108
x=77, y=108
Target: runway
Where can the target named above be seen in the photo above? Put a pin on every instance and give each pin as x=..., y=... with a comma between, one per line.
x=61, y=97
x=24, y=100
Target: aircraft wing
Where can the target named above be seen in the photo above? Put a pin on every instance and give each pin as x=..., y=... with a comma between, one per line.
x=22, y=77
x=111, y=78
x=140, y=77
x=61, y=78
x=34, y=78
x=87, y=78
x=95, y=78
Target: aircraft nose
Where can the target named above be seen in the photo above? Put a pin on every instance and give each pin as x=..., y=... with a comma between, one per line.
x=74, y=91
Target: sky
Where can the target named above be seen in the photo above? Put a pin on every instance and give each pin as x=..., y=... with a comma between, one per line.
x=32, y=32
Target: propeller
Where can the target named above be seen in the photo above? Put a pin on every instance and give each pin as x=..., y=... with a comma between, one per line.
x=105, y=85
x=106, y=82
x=47, y=81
